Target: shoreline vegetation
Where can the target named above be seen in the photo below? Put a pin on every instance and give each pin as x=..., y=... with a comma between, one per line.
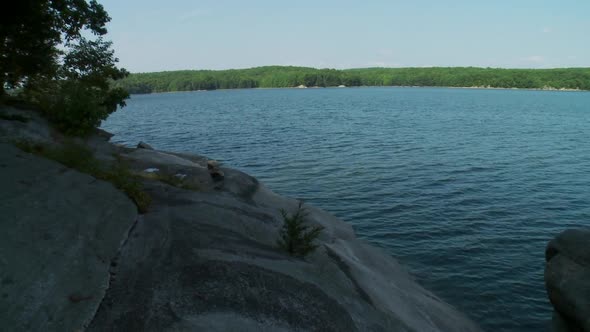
x=562, y=79
x=375, y=86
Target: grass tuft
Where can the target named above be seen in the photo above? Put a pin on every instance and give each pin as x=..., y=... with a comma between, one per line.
x=80, y=158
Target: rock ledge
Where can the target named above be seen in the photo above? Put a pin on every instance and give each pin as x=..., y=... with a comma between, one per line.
x=74, y=255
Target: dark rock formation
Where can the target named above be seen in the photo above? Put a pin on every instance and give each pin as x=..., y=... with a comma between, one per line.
x=567, y=279
x=214, y=170
x=59, y=232
x=143, y=145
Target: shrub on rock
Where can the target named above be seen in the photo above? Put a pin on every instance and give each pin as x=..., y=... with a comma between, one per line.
x=296, y=236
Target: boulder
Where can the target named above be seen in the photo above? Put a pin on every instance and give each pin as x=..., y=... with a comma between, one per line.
x=212, y=164
x=36, y=129
x=60, y=231
x=143, y=145
x=216, y=173
x=567, y=279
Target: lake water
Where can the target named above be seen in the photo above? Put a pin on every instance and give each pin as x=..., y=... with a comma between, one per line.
x=465, y=187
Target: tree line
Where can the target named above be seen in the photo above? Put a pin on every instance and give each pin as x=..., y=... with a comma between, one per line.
x=289, y=76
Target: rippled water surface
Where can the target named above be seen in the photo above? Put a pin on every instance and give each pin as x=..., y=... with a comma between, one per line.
x=465, y=187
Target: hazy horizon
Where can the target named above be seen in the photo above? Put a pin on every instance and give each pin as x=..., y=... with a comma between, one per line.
x=222, y=69
x=153, y=36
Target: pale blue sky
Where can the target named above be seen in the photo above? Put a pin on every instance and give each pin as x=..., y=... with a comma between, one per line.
x=152, y=35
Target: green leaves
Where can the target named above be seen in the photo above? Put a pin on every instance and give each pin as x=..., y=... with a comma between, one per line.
x=92, y=61
x=32, y=30
x=296, y=236
x=68, y=76
x=76, y=106
x=81, y=95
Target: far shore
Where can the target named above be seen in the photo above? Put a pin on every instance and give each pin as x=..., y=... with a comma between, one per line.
x=378, y=86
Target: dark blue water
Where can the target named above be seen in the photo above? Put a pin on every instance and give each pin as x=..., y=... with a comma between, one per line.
x=465, y=187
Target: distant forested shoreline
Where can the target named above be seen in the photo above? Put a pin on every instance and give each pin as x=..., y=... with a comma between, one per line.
x=289, y=76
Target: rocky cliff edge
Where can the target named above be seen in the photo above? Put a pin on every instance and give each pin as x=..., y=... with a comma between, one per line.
x=75, y=254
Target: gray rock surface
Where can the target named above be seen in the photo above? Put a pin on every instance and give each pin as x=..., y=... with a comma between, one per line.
x=35, y=129
x=153, y=157
x=208, y=260
x=567, y=279
x=38, y=130
x=192, y=172
x=59, y=231
x=74, y=255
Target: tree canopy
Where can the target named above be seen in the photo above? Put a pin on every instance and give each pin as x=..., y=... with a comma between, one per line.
x=287, y=76
x=44, y=56
x=32, y=30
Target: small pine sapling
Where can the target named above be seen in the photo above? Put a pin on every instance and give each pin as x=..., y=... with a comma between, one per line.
x=296, y=237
